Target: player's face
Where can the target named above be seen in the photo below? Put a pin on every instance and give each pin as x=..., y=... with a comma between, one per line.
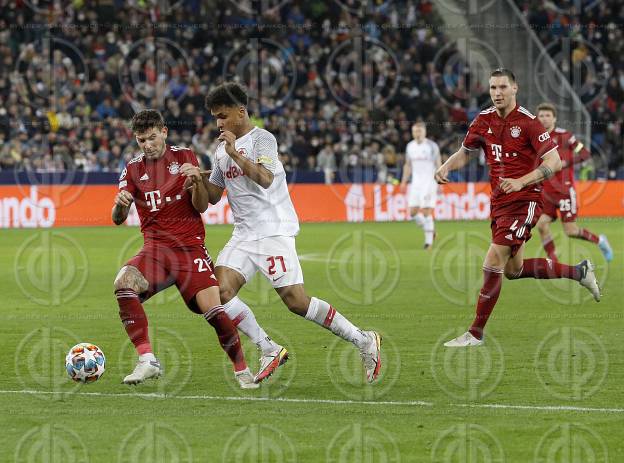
x=419, y=132
x=152, y=142
x=547, y=118
x=230, y=118
x=503, y=92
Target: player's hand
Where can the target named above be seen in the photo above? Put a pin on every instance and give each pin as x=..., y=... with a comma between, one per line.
x=511, y=185
x=192, y=174
x=403, y=187
x=441, y=175
x=124, y=199
x=230, y=141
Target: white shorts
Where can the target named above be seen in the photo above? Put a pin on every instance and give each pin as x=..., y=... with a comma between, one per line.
x=423, y=196
x=274, y=256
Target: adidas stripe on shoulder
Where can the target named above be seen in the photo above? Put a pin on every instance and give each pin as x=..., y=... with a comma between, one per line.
x=137, y=158
x=489, y=110
x=526, y=112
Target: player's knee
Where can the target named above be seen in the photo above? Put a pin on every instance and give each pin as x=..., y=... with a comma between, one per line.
x=130, y=278
x=570, y=232
x=511, y=274
x=226, y=293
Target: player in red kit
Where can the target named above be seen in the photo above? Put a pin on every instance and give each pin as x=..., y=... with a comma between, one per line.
x=559, y=193
x=165, y=184
x=520, y=154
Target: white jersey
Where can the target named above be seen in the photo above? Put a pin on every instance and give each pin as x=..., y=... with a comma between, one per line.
x=258, y=213
x=423, y=158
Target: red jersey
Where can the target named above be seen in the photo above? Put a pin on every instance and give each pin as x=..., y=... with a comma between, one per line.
x=165, y=209
x=571, y=151
x=513, y=147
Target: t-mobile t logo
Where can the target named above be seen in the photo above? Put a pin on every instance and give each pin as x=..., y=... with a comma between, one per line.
x=152, y=198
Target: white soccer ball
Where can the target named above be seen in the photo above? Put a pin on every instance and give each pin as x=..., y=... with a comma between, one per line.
x=85, y=362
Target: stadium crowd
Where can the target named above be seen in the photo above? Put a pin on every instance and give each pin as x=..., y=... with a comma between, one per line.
x=338, y=86
x=588, y=36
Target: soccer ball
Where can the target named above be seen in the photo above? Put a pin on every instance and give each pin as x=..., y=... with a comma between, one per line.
x=85, y=362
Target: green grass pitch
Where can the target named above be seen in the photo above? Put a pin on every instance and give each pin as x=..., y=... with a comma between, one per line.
x=546, y=386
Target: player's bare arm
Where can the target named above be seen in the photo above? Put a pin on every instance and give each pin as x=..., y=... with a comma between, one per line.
x=457, y=160
x=551, y=164
x=123, y=200
x=215, y=192
x=199, y=193
x=407, y=173
x=256, y=172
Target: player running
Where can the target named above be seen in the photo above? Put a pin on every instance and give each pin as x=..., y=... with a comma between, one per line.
x=173, y=251
x=559, y=193
x=246, y=165
x=422, y=158
x=520, y=155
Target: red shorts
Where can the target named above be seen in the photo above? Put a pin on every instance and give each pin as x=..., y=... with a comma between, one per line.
x=511, y=223
x=565, y=203
x=190, y=268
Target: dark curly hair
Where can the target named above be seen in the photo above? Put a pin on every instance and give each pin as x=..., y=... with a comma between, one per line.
x=227, y=94
x=146, y=119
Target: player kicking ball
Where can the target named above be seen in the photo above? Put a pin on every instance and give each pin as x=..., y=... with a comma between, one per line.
x=559, y=193
x=173, y=251
x=246, y=165
x=520, y=154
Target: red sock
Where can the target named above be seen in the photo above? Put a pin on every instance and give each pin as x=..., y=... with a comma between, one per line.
x=547, y=269
x=134, y=319
x=492, y=281
x=228, y=336
x=585, y=234
x=549, y=247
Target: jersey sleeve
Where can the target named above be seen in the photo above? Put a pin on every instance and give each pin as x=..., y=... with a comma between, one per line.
x=473, y=139
x=216, y=176
x=191, y=157
x=265, y=151
x=125, y=181
x=436, y=152
x=539, y=138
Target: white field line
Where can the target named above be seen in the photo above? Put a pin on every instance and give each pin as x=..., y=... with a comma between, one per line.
x=411, y=403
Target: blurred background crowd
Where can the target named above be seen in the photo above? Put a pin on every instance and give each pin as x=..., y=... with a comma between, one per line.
x=338, y=85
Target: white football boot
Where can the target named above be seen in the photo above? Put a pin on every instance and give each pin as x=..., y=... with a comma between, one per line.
x=270, y=362
x=588, y=278
x=144, y=370
x=465, y=340
x=246, y=379
x=371, y=355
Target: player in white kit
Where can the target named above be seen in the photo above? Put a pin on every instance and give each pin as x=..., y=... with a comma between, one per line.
x=246, y=165
x=422, y=159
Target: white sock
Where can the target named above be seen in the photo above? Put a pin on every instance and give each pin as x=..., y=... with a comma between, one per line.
x=148, y=357
x=325, y=315
x=429, y=230
x=419, y=219
x=244, y=319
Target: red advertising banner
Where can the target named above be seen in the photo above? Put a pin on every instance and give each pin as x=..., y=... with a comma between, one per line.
x=90, y=205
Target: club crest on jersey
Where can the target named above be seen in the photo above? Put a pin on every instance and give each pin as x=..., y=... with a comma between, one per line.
x=173, y=168
x=242, y=152
x=515, y=131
